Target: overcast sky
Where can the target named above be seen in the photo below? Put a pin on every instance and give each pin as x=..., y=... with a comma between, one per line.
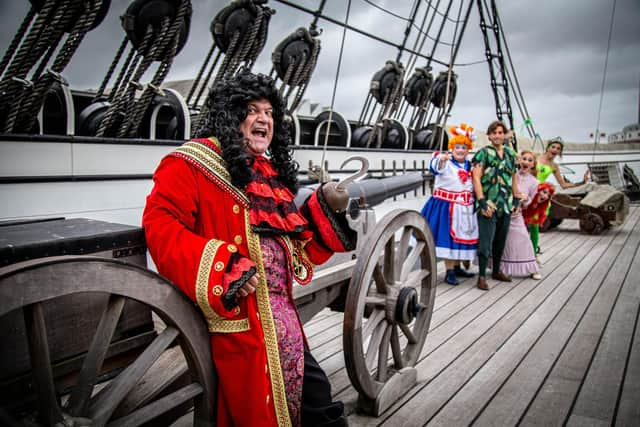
x=558, y=48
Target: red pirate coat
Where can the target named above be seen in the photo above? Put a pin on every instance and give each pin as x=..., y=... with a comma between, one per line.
x=194, y=220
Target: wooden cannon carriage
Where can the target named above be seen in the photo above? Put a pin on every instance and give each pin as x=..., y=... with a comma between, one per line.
x=596, y=206
x=139, y=349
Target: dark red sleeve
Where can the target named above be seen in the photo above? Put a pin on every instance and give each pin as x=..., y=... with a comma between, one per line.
x=330, y=231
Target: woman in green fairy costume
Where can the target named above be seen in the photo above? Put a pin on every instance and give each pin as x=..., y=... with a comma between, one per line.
x=546, y=167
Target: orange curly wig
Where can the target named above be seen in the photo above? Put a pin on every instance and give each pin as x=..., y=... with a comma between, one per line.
x=462, y=134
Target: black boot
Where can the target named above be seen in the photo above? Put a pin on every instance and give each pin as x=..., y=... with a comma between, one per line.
x=450, y=277
x=463, y=273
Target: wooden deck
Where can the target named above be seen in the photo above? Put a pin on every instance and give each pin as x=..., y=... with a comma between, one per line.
x=562, y=350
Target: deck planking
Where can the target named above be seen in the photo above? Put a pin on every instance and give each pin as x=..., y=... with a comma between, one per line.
x=565, y=349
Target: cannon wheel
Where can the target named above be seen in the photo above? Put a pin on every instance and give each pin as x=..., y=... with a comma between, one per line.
x=591, y=223
x=29, y=285
x=388, y=309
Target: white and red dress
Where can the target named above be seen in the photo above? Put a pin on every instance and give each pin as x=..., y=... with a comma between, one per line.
x=449, y=210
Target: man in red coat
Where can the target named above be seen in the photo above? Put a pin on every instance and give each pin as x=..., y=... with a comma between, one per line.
x=220, y=223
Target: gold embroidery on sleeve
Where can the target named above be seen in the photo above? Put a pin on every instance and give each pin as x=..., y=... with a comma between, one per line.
x=215, y=322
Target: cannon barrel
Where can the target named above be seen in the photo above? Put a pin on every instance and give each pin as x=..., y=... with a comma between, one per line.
x=373, y=191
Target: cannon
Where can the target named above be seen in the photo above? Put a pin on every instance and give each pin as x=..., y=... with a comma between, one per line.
x=596, y=206
x=65, y=307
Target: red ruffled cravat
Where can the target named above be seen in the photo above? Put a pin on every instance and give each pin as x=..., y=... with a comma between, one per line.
x=272, y=210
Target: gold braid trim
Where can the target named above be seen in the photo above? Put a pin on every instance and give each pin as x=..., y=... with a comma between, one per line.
x=212, y=162
x=269, y=329
x=302, y=267
x=215, y=322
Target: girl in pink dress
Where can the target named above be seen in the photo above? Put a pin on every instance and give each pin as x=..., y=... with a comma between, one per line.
x=518, y=258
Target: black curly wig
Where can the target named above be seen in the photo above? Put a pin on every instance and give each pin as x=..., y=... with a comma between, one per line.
x=227, y=108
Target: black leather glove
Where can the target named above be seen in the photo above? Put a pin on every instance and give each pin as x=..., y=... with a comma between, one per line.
x=516, y=203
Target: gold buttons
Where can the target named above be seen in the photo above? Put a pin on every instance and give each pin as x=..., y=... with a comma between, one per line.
x=217, y=290
x=266, y=368
x=219, y=266
x=237, y=239
x=236, y=310
x=232, y=248
x=236, y=209
x=268, y=399
x=258, y=315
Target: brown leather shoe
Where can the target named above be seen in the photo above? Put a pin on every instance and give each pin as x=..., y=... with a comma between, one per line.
x=501, y=276
x=482, y=283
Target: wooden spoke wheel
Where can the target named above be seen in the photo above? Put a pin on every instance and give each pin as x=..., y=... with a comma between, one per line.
x=591, y=223
x=27, y=289
x=388, y=309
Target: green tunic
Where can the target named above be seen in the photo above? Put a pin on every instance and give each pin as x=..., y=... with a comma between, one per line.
x=496, y=176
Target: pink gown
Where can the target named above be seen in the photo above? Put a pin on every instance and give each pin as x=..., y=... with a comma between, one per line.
x=518, y=258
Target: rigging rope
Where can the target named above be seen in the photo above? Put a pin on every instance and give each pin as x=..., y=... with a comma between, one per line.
x=604, y=78
x=45, y=81
x=444, y=16
x=449, y=72
x=335, y=84
x=14, y=82
x=419, y=119
x=387, y=11
x=466, y=64
x=122, y=95
x=351, y=28
x=414, y=8
x=294, y=61
x=436, y=12
x=244, y=47
x=305, y=76
x=207, y=58
x=24, y=97
x=435, y=45
x=168, y=46
x=524, y=112
x=495, y=59
x=127, y=69
x=16, y=39
x=159, y=43
x=418, y=112
x=420, y=40
x=110, y=71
